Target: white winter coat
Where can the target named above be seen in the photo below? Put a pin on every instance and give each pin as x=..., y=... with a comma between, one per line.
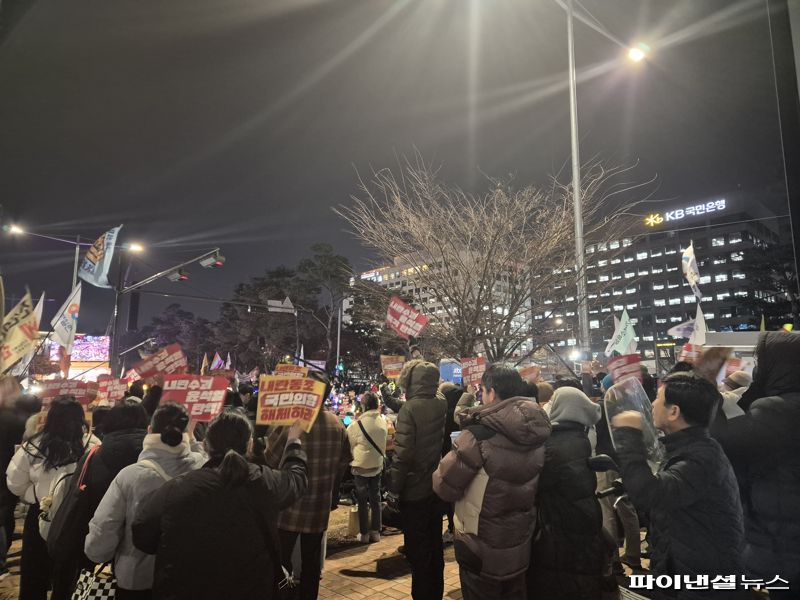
x=27, y=476
x=365, y=456
x=110, y=529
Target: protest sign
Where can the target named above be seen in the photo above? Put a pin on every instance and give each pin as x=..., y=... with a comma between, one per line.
x=283, y=399
x=625, y=367
x=203, y=396
x=84, y=391
x=472, y=370
x=530, y=374
x=109, y=390
x=391, y=365
x=291, y=370
x=404, y=319
x=168, y=360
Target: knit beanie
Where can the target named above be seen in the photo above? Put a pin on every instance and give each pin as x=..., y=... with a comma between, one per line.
x=738, y=379
x=571, y=404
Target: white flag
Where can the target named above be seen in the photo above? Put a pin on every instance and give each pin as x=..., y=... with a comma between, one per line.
x=21, y=365
x=682, y=330
x=624, y=338
x=690, y=271
x=97, y=262
x=65, y=323
x=228, y=362
x=698, y=337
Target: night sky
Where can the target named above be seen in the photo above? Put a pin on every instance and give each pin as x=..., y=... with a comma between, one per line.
x=241, y=123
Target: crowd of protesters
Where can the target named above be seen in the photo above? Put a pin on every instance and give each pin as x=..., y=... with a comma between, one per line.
x=186, y=511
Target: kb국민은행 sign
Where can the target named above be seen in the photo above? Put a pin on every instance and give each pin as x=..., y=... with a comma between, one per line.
x=203, y=396
x=282, y=400
x=404, y=319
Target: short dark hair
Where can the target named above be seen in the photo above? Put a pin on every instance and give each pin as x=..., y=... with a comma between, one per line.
x=245, y=388
x=697, y=398
x=125, y=414
x=681, y=367
x=369, y=401
x=504, y=379
x=530, y=390
x=137, y=389
x=567, y=382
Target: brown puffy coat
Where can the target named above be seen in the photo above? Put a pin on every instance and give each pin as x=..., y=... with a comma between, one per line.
x=492, y=474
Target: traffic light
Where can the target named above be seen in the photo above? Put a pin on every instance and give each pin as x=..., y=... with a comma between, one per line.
x=213, y=262
x=179, y=275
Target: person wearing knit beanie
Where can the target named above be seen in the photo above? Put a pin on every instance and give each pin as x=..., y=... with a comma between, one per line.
x=569, y=404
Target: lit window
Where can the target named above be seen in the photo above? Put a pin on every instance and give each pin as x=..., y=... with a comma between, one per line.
x=671, y=269
x=668, y=251
x=643, y=272
x=555, y=287
x=629, y=274
x=627, y=242
x=613, y=245
x=590, y=249
x=605, y=309
x=709, y=316
x=661, y=320
x=675, y=319
x=570, y=298
x=658, y=286
x=605, y=295
x=592, y=296
x=602, y=247
x=672, y=285
x=617, y=292
x=656, y=253
x=737, y=256
x=734, y=238
x=630, y=290
x=603, y=277
x=648, y=338
x=615, y=276
x=657, y=270
x=723, y=295
x=627, y=259
x=602, y=263
x=741, y=294
x=618, y=307
x=739, y=275
x=659, y=301
x=726, y=315
x=634, y=321
x=616, y=261
x=630, y=307
x=674, y=301
x=705, y=279
x=720, y=261
x=720, y=277
x=689, y=299
x=718, y=241
x=594, y=324
x=641, y=255
x=571, y=342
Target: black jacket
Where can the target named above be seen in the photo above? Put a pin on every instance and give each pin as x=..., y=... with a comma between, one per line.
x=568, y=551
x=763, y=446
x=12, y=426
x=213, y=541
x=696, y=524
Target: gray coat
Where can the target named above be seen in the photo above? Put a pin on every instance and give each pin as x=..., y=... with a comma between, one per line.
x=110, y=535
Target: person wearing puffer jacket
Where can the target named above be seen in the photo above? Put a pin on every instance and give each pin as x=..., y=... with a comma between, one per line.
x=418, y=449
x=167, y=453
x=39, y=462
x=568, y=550
x=491, y=474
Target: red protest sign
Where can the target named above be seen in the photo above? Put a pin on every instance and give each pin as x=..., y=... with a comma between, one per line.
x=624, y=367
x=284, y=399
x=391, y=365
x=110, y=390
x=291, y=370
x=202, y=396
x=84, y=391
x=733, y=365
x=472, y=370
x=168, y=360
x=404, y=319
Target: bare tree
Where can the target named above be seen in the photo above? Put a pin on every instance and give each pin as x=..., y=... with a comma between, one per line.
x=482, y=265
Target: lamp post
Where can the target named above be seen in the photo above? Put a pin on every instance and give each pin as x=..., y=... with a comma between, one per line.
x=17, y=230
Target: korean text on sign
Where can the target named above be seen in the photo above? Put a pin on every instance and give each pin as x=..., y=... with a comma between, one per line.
x=83, y=391
x=202, y=396
x=282, y=400
x=392, y=365
x=110, y=390
x=291, y=370
x=169, y=359
x=625, y=366
x=472, y=370
x=404, y=319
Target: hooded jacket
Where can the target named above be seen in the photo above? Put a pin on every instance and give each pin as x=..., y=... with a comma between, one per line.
x=491, y=474
x=763, y=446
x=365, y=456
x=420, y=432
x=568, y=551
x=110, y=528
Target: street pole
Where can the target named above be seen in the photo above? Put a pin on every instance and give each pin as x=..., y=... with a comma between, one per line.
x=77, y=260
x=580, y=261
x=339, y=335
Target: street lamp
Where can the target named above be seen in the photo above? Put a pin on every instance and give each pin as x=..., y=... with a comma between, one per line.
x=17, y=230
x=638, y=52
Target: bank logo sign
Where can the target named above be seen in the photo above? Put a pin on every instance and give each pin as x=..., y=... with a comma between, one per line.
x=696, y=210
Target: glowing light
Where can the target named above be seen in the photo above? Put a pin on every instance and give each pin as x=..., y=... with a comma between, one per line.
x=575, y=355
x=135, y=247
x=16, y=230
x=636, y=54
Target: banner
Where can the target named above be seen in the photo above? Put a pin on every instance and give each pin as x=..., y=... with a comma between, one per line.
x=391, y=365
x=291, y=370
x=202, y=396
x=283, y=400
x=97, y=262
x=472, y=370
x=65, y=323
x=625, y=367
x=682, y=330
x=19, y=333
x=690, y=270
x=404, y=319
x=109, y=390
x=624, y=338
x=530, y=374
x=168, y=360
x=84, y=391
x=698, y=337
x=689, y=353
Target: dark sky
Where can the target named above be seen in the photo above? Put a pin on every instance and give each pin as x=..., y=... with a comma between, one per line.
x=240, y=123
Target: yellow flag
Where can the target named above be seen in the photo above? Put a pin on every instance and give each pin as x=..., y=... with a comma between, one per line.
x=19, y=333
x=788, y=327
x=204, y=366
x=763, y=323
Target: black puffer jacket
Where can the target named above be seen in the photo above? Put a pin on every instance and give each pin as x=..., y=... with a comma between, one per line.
x=764, y=447
x=420, y=432
x=696, y=525
x=568, y=550
x=213, y=541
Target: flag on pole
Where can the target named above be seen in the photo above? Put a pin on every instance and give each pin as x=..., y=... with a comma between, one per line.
x=228, y=362
x=97, y=262
x=763, y=323
x=302, y=356
x=682, y=330
x=21, y=365
x=217, y=363
x=788, y=326
x=204, y=366
x=19, y=333
x=698, y=337
x=690, y=270
x=65, y=323
x=624, y=338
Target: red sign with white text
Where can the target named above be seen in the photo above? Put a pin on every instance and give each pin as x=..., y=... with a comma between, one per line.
x=109, y=390
x=472, y=370
x=625, y=366
x=202, y=396
x=168, y=360
x=404, y=319
x=84, y=391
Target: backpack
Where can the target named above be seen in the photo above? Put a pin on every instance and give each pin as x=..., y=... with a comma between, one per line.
x=49, y=504
x=64, y=521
